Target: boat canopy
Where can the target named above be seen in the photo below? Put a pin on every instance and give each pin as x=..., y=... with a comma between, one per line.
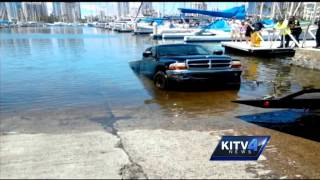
x=219, y=25
x=3, y=21
x=268, y=23
x=238, y=12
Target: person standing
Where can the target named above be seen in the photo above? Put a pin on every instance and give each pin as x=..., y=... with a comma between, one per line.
x=243, y=27
x=249, y=31
x=318, y=35
x=234, y=29
x=282, y=25
x=295, y=28
x=256, y=36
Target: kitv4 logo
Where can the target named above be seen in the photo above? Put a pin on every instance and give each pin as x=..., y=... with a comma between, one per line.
x=240, y=147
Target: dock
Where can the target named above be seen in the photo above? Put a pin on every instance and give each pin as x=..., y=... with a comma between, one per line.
x=267, y=48
x=307, y=57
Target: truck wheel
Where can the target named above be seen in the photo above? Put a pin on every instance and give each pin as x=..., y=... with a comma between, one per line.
x=160, y=80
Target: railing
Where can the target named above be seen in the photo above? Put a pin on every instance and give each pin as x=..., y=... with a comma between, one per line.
x=308, y=30
x=276, y=34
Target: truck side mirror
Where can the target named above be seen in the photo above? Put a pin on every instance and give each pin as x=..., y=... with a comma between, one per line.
x=218, y=52
x=147, y=53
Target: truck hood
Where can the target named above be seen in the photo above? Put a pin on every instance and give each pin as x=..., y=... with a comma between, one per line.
x=195, y=57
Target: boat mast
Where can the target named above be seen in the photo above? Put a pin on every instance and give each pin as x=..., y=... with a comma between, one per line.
x=291, y=9
x=273, y=9
x=261, y=9
x=138, y=11
x=163, y=9
x=314, y=13
x=279, y=10
x=296, y=9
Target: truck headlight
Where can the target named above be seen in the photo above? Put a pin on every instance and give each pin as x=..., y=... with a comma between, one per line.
x=235, y=64
x=178, y=66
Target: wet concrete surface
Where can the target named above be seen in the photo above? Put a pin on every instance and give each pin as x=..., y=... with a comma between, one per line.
x=287, y=155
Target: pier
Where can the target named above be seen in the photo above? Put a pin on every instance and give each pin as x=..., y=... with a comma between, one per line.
x=267, y=48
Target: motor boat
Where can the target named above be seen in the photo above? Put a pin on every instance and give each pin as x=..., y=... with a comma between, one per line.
x=123, y=25
x=145, y=25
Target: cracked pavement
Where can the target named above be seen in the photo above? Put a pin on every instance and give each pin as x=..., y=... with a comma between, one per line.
x=133, y=143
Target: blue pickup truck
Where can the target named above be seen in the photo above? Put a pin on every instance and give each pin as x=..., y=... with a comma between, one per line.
x=172, y=63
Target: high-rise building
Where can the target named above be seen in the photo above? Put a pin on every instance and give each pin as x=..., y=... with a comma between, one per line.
x=34, y=11
x=123, y=9
x=3, y=11
x=275, y=9
x=257, y=8
x=200, y=5
x=13, y=10
x=311, y=10
x=146, y=8
x=67, y=11
x=56, y=9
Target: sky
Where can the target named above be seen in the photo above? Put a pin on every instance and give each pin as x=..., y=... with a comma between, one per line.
x=93, y=8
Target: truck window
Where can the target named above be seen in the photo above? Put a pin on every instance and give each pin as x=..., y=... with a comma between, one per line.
x=154, y=53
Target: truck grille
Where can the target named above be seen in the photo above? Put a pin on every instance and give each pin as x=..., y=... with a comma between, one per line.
x=208, y=64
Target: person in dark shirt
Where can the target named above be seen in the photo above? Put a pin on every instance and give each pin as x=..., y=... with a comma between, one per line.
x=318, y=35
x=295, y=28
x=249, y=31
x=258, y=26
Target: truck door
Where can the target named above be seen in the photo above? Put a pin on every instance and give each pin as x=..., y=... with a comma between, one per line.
x=149, y=63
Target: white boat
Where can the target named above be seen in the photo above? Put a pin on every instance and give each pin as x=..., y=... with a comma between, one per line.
x=143, y=28
x=101, y=25
x=181, y=35
x=92, y=24
x=145, y=25
x=109, y=25
x=123, y=25
x=176, y=31
x=218, y=36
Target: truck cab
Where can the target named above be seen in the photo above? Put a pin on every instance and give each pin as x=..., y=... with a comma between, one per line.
x=184, y=63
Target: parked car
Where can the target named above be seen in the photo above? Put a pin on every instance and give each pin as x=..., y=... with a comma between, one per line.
x=166, y=64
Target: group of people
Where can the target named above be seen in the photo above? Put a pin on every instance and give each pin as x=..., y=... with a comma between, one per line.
x=287, y=27
x=238, y=29
x=292, y=26
x=252, y=31
x=246, y=30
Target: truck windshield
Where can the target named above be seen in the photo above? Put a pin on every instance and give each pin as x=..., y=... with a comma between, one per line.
x=182, y=50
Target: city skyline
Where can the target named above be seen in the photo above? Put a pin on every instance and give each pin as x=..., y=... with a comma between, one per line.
x=111, y=8
x=75, y=11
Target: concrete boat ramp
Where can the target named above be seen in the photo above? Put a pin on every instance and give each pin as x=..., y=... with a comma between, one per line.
x=137, y=143
x=82, y=144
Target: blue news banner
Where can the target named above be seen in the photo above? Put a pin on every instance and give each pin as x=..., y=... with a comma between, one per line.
x=240, y=147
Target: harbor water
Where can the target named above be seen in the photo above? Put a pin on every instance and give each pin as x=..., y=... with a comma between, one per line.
x=45, y=68
x=51, y=69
